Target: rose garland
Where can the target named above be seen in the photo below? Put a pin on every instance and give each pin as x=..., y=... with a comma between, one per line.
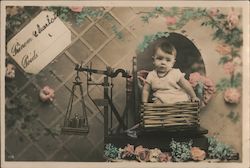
x=139, y=153
x=230, y=60
x=180, y=151
x=78, y=13
x=149, y=39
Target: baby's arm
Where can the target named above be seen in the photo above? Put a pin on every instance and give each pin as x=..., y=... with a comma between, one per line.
x=188, y=88
x=145, y=92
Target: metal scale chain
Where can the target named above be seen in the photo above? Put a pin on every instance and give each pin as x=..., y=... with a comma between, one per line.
x=77, y=124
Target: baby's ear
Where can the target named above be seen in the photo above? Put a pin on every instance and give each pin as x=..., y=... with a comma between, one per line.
x=153, y=60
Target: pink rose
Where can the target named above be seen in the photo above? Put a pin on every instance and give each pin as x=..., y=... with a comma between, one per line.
x=194, y=78
x=207, y=82
x=209, y=89
x=77, y=9
x=232, y=19
x=223, y=49
x=232, y=95
x=213, y=11
x=46, y=94
x=165, y=157
x=128, y=151
x=229, y=67
x=139, y=149
x=10, y=71
x=129, y=148
x=197, y=153
x=142, y=154
x=170, y=20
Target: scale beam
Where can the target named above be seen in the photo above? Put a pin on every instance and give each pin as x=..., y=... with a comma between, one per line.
x=109, y=72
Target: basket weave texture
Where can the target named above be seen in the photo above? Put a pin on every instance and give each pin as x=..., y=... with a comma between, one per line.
x=170, y=115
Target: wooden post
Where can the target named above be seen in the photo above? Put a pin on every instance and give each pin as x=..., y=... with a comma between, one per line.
x=106, y=108
x=135, y=92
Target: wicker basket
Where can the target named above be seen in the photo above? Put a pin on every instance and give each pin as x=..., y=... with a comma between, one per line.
x=182, y=114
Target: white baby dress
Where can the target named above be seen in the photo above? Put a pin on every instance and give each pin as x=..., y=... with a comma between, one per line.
x=166, y=89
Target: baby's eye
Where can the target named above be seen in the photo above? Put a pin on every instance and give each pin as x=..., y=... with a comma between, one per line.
x=159, y=58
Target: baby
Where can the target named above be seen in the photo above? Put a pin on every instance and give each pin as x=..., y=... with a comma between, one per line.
x=167, y=83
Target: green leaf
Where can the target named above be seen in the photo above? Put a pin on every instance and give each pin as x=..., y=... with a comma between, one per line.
x=188, y=14
x=64, y=17
x=235, y=53
x=118, y=34
x=159, y=9
x=180, y=150
x=151, y=38
x=172, y=27
x=175, y=10
x=221, y=16
x=219, y=34
x=111, y=151
x=234, y=38
x=236, y=80
x=224, y=60
x=218, y=150
x=145, y=19
x=65, y=10
x=233, y=116
x=80, y=18
x=223, y=84
x=108, y=17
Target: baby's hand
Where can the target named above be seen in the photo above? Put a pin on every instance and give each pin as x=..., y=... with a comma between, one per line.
x=195, y=99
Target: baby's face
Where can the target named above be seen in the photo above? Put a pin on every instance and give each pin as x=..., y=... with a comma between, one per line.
x=163, y=62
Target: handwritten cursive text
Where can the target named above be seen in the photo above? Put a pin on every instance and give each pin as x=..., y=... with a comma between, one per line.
x=40, y=29
x=17, y=47
x=28, y=59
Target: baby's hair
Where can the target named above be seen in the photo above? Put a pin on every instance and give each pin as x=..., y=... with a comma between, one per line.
x=166, y=47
